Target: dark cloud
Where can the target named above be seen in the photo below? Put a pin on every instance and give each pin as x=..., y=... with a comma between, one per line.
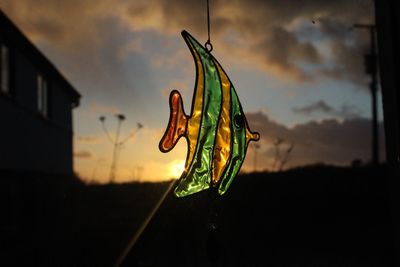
x=282, y=50
x=319, y=106
x=347, y=63
x=83, y=154
x=345, y=111
x=268, y=31
x=87, y=139
x=329, y=141
x=348, y=111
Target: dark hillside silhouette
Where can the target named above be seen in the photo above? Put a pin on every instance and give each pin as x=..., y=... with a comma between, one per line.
x=317, y=216
x=320, y=215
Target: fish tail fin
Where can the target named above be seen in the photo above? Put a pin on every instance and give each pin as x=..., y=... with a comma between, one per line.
x=177, y=123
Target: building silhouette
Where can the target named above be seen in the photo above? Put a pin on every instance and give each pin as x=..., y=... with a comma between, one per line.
x=36, y=104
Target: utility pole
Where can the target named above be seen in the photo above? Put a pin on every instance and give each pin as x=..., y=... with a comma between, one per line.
x=116, y=143
x=371, y=68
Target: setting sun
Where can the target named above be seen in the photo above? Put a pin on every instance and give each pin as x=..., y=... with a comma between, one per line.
x=176, y=168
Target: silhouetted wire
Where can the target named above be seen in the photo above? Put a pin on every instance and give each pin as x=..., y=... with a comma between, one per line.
x=208, y=19
x=140, y=231
x=208, y=45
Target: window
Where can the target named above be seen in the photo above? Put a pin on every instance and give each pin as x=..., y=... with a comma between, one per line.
x=42, y=95
x=4, y=69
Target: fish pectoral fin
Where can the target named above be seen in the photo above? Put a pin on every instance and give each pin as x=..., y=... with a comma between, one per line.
x=177, y=123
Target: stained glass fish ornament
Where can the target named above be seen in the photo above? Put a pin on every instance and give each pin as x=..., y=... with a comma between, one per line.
x=216, y=130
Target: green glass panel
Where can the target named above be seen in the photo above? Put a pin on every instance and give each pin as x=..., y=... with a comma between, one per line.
x=199, y=173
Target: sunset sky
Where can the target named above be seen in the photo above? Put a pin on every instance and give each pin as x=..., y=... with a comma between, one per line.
x=296, y=66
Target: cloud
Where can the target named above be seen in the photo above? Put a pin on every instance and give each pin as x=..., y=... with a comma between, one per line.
x=319, y=106
x=96, y=108
x=277, y=36
x=347, y=63
x=83, y=154
x=89, y=139
x=133, y=46
x=345, y=111
x=102, y=160
x=174, y=85
x=329, y=141
x=279, y=52
x=260, y=31
x=64, y=23
x=348, y=111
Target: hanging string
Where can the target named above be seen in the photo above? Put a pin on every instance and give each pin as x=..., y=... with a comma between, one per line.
x=208, y=44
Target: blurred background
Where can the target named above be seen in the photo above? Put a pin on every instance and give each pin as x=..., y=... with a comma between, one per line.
x=85, y=85
x=298, y=69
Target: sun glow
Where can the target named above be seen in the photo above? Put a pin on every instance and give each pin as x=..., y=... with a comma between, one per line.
x=176, y=168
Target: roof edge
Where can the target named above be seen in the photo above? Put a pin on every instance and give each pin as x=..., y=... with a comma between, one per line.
x=21, y=41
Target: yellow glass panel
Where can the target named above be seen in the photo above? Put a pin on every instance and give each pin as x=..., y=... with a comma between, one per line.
x=223, y=137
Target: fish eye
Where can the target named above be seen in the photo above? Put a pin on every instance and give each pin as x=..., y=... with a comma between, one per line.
x=238, y=120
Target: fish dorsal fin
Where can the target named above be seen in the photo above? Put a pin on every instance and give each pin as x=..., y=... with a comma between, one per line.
x=177, y=123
